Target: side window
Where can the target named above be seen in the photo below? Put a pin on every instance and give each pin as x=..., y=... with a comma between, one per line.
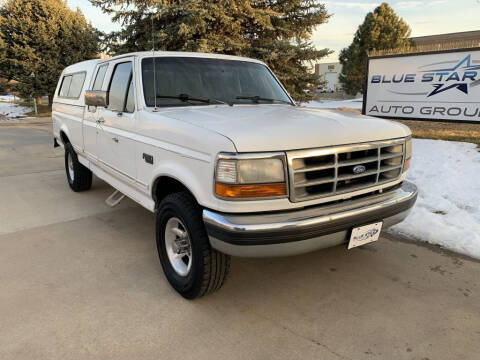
x=72, y=86
x=97, y=84
x=130, y=104
x=65, y=86
x=119, y=86
x=76, y=86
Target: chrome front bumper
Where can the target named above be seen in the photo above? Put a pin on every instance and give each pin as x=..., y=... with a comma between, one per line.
x=310, y=229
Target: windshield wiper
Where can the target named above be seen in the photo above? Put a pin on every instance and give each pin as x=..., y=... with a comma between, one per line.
x=257, y=98
x=187, y=98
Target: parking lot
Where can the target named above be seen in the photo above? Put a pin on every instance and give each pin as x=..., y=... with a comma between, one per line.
x=81, y=280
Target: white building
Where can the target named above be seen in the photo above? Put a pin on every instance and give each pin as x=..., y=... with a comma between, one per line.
x=329, y=73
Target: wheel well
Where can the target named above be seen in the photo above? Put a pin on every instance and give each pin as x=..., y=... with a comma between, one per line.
x=166, y=185
x=64, y=137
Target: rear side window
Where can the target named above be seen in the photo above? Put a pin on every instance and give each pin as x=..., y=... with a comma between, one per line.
x=72, y=86
x=119, y=86
x=65, y=86
x=97, y=85
x=76, y=86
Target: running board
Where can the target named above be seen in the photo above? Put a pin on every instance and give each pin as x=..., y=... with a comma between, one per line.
x=114, y=199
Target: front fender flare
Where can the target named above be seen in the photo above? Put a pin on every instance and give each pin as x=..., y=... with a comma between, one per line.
x=185, y=176
x=64, y=129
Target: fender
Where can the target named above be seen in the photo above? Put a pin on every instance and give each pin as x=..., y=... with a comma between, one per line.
x=64, y=129
x=187, y=177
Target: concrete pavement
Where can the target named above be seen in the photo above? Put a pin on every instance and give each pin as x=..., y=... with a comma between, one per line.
x=79, y=280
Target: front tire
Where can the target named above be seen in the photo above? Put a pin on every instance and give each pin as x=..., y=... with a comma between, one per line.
x=190, y=264
x=79, y=177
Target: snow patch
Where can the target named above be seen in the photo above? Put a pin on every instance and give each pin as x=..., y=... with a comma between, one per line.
x=447, y=211
x=8, y=98
x=335, y=104
x=10, y=110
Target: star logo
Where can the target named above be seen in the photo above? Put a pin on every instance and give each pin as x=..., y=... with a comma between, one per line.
x=463, y=67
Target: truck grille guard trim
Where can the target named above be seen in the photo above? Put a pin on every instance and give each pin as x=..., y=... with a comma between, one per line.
x=326, y=172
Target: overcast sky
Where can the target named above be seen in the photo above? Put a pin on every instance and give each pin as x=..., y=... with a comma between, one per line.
x=427, y=17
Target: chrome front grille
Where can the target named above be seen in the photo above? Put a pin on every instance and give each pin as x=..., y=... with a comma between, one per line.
x=338, y=170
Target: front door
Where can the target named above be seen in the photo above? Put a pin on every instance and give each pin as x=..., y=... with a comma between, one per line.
x=90, y=122
x=116, y=145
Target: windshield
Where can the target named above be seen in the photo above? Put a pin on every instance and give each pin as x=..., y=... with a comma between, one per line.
x=201, y=81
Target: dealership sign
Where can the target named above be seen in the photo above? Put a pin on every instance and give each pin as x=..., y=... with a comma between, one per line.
x=433, y=86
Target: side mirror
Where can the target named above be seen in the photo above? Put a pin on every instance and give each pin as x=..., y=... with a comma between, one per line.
x=96, y=98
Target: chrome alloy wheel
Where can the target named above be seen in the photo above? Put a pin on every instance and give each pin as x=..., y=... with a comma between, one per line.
x=71, y=173
x=178, y=246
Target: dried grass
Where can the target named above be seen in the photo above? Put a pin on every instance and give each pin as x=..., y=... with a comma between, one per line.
x=444, y=131
x=438, y=130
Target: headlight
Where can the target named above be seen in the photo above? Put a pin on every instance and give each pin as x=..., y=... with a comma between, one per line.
x=408, y=154
x=256, y=177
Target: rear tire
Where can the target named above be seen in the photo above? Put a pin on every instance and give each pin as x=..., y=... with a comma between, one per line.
x=179, y=225
x=79, y=177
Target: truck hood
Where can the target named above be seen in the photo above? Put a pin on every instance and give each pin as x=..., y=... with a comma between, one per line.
x=258, y=128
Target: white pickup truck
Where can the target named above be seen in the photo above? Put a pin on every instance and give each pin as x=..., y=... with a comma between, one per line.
x=217, y=148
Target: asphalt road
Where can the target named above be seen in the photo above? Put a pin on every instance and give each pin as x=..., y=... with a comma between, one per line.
x=79, y=280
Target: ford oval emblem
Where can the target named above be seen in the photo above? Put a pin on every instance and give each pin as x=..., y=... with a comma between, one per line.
x=359, y=169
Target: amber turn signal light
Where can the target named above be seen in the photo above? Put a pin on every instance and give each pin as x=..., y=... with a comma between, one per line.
x=250, y=191
x=406, y=165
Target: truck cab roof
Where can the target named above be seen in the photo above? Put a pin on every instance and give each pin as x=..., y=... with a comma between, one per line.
x=90, y=64
x=142, y=54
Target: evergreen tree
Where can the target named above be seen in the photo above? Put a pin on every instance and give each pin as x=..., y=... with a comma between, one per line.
x=381, y=30
x=276, y=32
x=38, y=39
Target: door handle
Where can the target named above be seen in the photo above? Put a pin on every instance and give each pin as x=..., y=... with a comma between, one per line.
x=115, y=139
x=101, y=121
